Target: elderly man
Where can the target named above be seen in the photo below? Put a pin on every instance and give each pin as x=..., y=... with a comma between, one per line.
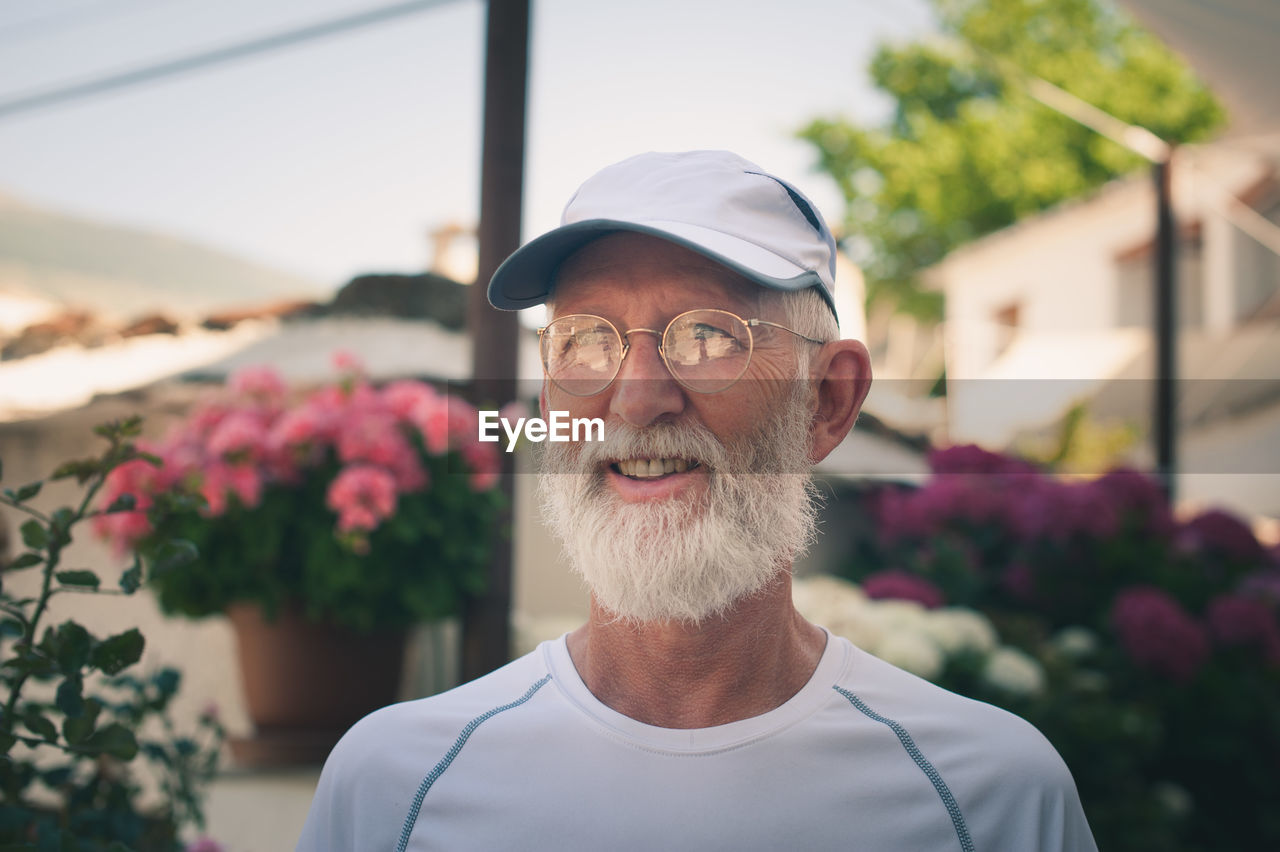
x=691, y=310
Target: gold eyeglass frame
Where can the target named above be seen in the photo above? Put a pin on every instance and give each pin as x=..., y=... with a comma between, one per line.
x=625, y=338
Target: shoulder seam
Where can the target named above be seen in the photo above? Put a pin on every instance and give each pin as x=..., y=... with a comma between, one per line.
x=909, y=744
x=439, y=768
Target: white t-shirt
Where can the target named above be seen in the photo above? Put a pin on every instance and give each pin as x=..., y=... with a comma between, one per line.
x=864, y=757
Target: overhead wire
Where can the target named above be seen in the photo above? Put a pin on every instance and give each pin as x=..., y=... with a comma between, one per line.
x=217, y=56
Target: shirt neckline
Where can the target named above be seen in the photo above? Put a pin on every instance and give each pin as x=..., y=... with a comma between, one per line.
x=836, y=656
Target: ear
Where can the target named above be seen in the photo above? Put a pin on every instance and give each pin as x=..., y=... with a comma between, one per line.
x=842, y=372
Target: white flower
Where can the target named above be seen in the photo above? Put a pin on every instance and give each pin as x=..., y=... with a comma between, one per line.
x=896, y=616
x=1013, y=671
x=1075, y=641
x=911, y=651
x=1173, y=798
x=956, y=630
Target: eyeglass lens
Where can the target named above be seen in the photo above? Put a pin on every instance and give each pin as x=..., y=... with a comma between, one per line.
x=706, y=351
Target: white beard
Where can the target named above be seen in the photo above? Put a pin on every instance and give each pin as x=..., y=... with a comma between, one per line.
x=677, y=560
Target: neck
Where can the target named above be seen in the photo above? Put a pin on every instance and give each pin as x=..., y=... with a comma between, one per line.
x=678, y=675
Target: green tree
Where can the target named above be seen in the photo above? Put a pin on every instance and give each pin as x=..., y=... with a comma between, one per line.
x=967, y=151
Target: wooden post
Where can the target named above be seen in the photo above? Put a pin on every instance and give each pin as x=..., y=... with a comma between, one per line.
x=1165, y=412
x=486, y=620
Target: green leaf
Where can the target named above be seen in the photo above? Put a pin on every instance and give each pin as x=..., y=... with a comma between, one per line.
x=24, y=560
x=28, y=491
x=131, y=579
x=81, y=469
x=7, y=741
x=70, y=698
x=123, y=503
x=34, y=535
x=78, y=578
x=114, y=739
x=174, y=554
x=69, y=644
x=56, y=777
x=118, y=652
x=40, y=726
x=167, y=681
x=63, y=518
x=79, y=728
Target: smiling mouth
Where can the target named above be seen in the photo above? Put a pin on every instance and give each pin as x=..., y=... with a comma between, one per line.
x=656, y=468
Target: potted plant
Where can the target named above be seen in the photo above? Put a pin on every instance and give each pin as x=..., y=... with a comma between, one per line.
x=323, y=524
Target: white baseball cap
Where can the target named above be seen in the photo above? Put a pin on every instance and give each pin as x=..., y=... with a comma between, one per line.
x=712, y=202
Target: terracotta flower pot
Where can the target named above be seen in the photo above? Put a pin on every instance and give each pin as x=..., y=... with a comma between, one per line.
x=306, y=683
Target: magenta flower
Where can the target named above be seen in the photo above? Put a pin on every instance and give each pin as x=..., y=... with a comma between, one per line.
x=363, y=496
x=972, y=459
x=1222, y=534
x=1235, y=620
x=1158, y=634
x=903, y=586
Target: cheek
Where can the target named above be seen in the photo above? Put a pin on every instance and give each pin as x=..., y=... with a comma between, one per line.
x=554, y=399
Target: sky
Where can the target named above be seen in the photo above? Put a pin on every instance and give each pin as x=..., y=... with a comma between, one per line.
x=338, y=156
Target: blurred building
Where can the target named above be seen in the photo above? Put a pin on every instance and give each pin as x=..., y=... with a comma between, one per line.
x=1056, y=311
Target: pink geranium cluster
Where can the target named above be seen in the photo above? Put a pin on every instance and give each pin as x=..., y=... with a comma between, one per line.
x=252, y=437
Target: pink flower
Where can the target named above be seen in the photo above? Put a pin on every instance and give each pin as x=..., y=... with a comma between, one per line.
x=376, y=438
x=463, y=421
x=220, y=481
x=903, y=586
x=403, y=397
x=485, y=465
x=431, y=417
x=261, y=383
x=1158, y=634
x=205, y=844
x=136, y=477
x=348, y=363
x=241, y=434
x=1236, y=620
x=302, y=431
x=363, y=496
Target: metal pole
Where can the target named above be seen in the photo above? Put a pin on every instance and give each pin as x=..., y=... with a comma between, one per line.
x=1165, y=418
x=486, y=620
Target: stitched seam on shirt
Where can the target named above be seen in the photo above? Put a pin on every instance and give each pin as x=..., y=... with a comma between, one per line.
x=948, y=800
x=439, y=769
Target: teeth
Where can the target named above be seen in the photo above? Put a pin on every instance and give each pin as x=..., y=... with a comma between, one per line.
x=652, y=468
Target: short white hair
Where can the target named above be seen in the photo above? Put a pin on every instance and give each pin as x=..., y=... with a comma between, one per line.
x=808, y=313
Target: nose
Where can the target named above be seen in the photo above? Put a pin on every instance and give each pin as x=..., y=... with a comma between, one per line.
x=644, y=390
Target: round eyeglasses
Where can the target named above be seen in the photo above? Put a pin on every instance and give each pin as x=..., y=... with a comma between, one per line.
x=706, y=351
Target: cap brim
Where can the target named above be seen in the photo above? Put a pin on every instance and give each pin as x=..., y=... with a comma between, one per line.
x=524, y=279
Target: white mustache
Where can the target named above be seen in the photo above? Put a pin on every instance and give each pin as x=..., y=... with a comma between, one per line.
x=661, y=440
